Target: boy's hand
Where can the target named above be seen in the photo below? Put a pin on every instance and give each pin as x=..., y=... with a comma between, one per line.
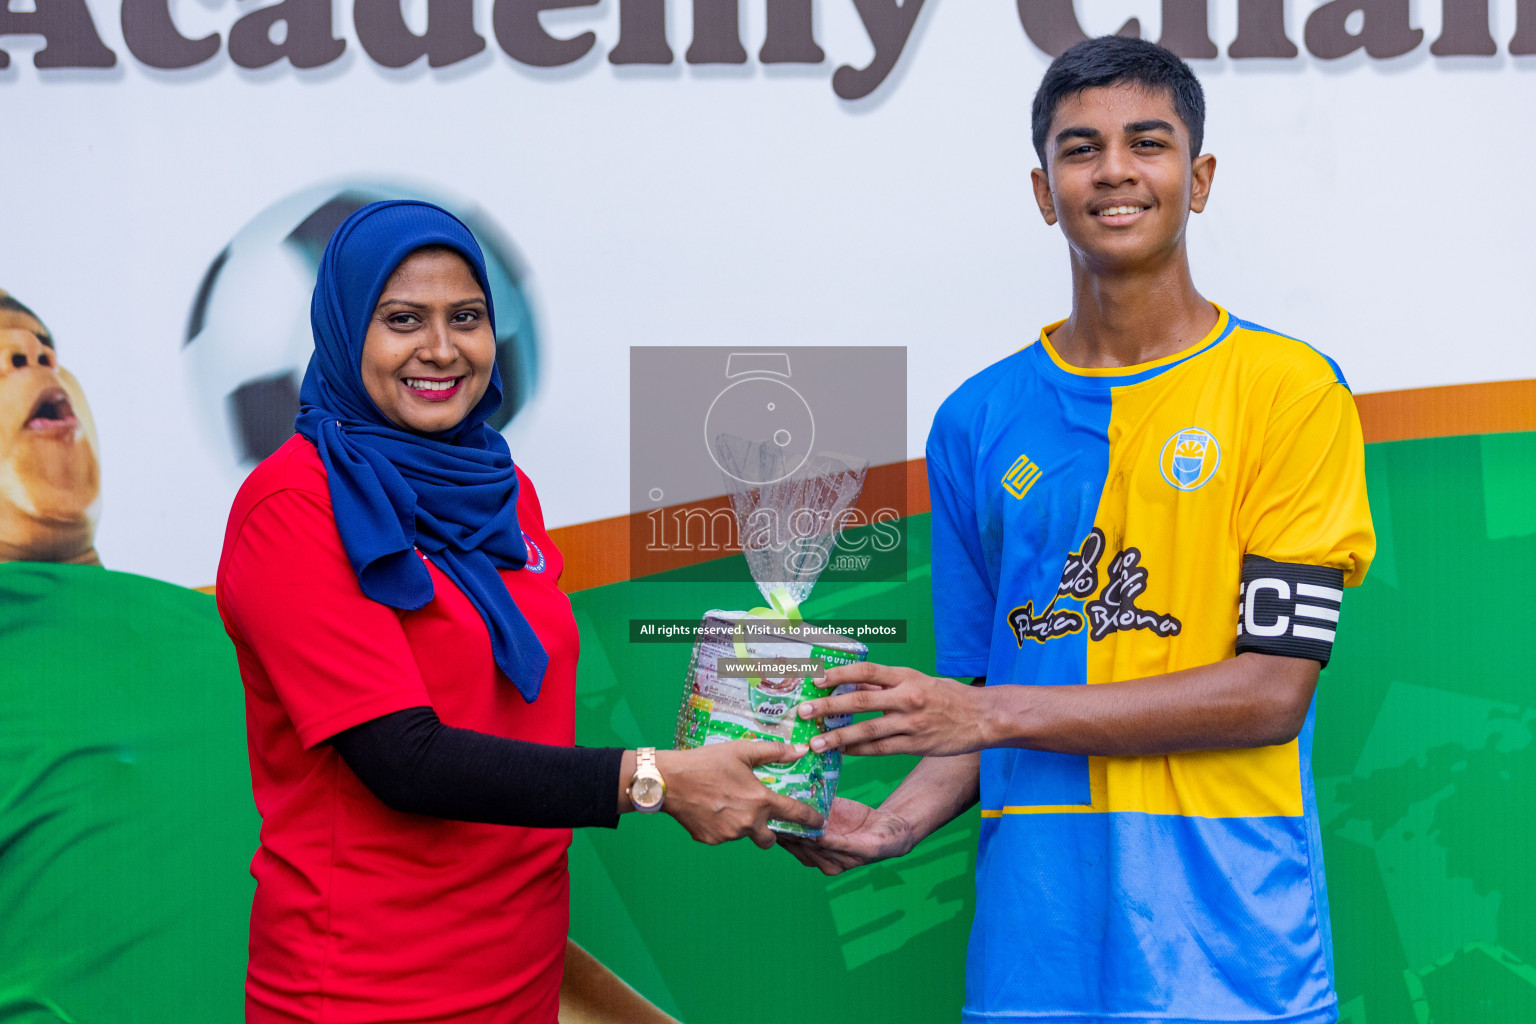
x=855, y=835
x=919, y=714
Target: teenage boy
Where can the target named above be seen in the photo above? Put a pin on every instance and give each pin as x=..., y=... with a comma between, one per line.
x=1163, y=500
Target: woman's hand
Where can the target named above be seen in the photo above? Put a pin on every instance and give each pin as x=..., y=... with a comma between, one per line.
x=855, y=835
x=713, y=792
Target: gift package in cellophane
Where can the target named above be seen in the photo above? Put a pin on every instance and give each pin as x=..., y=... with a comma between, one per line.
x=789, y=524
x=719, y=708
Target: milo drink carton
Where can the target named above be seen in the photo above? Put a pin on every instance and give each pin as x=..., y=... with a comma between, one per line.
x=746, y=676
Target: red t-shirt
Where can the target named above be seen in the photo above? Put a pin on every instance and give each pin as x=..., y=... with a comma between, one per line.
x=363, y=914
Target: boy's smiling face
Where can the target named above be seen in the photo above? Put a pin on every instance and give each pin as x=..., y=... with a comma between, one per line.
x=49, y=477
x=1121, y=182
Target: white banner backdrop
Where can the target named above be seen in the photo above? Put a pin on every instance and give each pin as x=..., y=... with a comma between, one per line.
x=1372, y=206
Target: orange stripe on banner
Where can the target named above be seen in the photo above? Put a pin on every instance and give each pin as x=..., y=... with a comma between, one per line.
x=917, y=487
x=1497, y=408
x=597, y=553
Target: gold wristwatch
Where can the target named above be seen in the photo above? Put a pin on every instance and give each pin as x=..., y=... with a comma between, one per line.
x=647, y=790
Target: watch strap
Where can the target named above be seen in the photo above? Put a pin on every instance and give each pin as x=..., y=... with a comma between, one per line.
x=645, y=769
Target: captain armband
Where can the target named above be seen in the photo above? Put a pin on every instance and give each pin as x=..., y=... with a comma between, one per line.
x=1288, y=609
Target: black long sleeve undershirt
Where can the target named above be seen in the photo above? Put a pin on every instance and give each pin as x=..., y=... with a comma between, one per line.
x=415, y=764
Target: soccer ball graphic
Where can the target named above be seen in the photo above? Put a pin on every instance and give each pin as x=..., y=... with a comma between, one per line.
x=248, y=337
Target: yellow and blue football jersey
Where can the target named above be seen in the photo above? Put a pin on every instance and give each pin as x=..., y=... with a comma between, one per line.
x=1092, y=526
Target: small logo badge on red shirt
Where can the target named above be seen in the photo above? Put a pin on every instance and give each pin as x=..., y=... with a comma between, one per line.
x=535, y=556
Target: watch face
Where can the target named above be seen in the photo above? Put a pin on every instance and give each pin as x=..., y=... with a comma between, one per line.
x=646, y=792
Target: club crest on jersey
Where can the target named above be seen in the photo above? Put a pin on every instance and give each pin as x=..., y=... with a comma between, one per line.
x=535, y=561
x=1189, y=459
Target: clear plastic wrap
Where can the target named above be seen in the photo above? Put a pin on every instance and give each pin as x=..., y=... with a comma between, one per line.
x=789, y=524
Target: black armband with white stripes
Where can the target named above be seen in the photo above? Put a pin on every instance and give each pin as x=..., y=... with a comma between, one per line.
x=1288, y=609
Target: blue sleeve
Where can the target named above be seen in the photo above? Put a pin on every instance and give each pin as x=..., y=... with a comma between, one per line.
x=964, y=597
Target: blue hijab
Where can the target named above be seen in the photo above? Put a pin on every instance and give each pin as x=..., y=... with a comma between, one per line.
x=452, y=494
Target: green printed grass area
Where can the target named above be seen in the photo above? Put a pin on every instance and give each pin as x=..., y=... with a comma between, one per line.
x=1425, y=768
x=735, y=933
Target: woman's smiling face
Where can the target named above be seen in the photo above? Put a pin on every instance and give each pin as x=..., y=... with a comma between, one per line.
x=430, y=349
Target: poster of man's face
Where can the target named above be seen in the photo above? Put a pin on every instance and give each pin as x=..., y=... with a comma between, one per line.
x=50, y=481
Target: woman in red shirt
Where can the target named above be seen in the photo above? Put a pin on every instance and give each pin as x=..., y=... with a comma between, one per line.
x=410, y=670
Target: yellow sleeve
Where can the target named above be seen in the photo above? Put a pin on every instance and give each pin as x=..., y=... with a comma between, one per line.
x=1307, y=501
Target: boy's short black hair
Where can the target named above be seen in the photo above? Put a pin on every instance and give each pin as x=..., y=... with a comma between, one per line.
x=1110, y=60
